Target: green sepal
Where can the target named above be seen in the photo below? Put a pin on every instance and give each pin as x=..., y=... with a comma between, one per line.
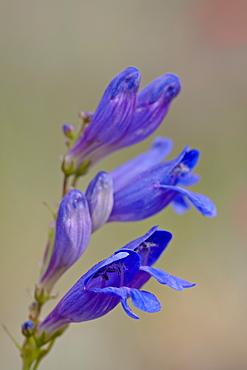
x=67, y=170
x=43, y=340
x=83, y=168
x=41, y=295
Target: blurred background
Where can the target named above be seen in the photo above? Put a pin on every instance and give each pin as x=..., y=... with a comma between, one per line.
x=56, y=59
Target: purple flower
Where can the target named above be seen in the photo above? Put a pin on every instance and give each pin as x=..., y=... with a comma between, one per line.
x=72, y=235
x=110, y=121
x=112, y=281
x=143, y=186
x=153, y=103
x=122, y=118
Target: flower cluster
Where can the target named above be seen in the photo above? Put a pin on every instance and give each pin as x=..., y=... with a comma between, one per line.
x=135, y=190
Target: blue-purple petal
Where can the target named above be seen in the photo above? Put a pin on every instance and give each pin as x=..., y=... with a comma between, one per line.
x=145, y=301
x=150, y=248
x=153, y=103
x=202, y=203
x=190, y=179
x=164, y=278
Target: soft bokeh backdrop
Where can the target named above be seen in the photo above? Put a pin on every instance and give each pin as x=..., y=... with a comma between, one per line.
x=56, y=59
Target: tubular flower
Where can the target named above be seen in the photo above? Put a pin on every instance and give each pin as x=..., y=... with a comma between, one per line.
x=112, y=281
x=123, y=118
x=153, y=103
x=72, y=235
x=143, y=186
x=110, y=121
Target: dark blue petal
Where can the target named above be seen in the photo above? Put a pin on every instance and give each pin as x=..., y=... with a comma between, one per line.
x=202, y=203
x=183, y=165
x=191, y=158
x=150, y=249
x=116, y=270
x=164, y=278
x=135, y=243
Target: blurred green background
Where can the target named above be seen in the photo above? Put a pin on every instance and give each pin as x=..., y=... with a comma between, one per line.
x=56, y=59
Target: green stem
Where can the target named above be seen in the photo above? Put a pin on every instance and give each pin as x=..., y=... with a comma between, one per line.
x=75, y=180
x=43, y=354
x=37, y=363
x=65, y=181
x=26, y=365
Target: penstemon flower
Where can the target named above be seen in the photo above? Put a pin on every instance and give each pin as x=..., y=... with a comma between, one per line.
x=144, y=186
x=110, y=120
x=122, y=118
x=133, y=191
x=151, y=187
x=112, y=281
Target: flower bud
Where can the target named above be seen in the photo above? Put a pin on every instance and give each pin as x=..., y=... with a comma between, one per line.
x=153, y=103
x=69, y=130
x=99, y=195
x=110, y=120
x=28, y=328
x=73, y=231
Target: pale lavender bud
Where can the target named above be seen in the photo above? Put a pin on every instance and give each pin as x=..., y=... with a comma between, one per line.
x=99, y=195
x=72, y=235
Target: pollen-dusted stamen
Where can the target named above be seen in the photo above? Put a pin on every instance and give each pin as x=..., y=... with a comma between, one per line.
x=144, y=247
x=143, y=250
x=181, y=169
x=113, y=267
